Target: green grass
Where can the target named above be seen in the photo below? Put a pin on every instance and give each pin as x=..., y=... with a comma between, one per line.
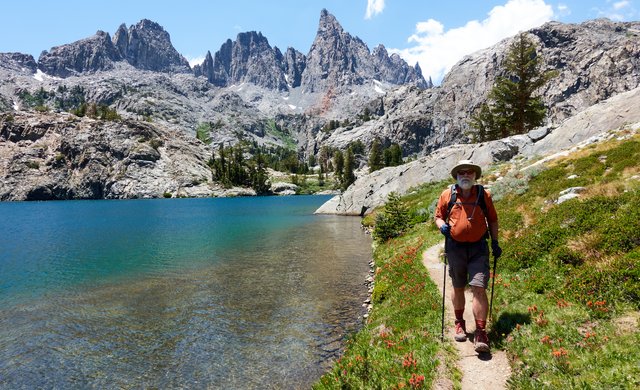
x=307, y=184
x=400, y=344
x=570, y=275
x=567, y=291
x=282, y=134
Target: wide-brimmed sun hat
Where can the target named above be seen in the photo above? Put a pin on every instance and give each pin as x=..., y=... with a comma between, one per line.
x=466, y=164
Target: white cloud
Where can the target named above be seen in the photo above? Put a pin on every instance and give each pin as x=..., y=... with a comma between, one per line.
x=438, y=50
x=562, y=10
x=618, y=11
x=374, y=7
x=621, y=4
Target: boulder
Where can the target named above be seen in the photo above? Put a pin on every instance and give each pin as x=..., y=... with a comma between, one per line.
x=283, y=188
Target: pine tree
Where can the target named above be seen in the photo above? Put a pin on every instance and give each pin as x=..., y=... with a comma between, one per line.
x=393, y=155
x=375, y=156
x=387, y=157
x=349, y=166
x=323, y=157
x=393, y=220
x=259, y=177
x=338, y=163
x=514, y=108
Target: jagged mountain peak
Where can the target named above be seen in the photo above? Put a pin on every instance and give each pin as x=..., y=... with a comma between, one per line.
x=250, y=58
x=86, y=55
x=145, y=45
x=149, y=24
x=252, y=38
x=328, y=23
x=338, y=59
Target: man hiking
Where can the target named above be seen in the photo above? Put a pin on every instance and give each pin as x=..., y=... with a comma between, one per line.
x=466, y=216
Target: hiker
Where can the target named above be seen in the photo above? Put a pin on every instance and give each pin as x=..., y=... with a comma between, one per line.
x=466, y=217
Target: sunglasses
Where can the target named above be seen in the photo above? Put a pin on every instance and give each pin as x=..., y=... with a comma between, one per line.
x=466, y=172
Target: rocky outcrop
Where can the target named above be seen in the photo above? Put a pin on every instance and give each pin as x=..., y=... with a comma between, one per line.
x=372, y=190
x=283, y=188
x=86, y=55
x=403, y=116
x=18, y=62
x=59, y=156
x=395, y=70
x=294, y=65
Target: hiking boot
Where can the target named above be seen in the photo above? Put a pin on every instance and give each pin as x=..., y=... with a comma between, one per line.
x=481, y=341
x=461, y=331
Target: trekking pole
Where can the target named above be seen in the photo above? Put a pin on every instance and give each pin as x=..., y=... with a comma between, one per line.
x=493, y=282
x=444, y=284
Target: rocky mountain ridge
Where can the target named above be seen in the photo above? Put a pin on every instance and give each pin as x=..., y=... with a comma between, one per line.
x=250, y=58
x=594, y=60
x=145, y=46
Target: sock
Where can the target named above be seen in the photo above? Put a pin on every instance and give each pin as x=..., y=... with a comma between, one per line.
x=480, y=324
x=459, y=314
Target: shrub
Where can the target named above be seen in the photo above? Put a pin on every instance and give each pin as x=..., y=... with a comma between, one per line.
x=156, y=143
x=565, y=255
x=203, y=132
x=393, y=221
x=380, y=292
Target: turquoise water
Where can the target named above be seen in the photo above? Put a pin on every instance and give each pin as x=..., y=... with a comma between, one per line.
x=187, y=293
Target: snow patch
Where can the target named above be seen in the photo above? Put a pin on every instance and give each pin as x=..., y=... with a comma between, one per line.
x=379, y=90
x=291, y=106
x=16, y=107
x=40, y=76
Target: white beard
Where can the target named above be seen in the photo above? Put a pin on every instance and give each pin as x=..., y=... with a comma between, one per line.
x=466, y=183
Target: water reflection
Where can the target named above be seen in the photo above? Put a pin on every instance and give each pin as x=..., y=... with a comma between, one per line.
x=271, y=314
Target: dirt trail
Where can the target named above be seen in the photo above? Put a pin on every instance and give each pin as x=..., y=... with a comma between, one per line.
x=486, y=371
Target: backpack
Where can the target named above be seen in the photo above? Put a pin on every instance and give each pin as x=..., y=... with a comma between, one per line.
x=479, y=201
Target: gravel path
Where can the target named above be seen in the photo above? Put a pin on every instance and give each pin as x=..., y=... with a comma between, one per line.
x=486, y=371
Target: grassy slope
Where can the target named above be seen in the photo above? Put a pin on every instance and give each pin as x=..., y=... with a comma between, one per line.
x=567, y=299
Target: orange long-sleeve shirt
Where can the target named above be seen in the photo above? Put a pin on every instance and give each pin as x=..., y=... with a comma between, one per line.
x=467, y=220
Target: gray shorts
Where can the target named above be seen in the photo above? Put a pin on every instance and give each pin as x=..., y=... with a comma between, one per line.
x=468, y=263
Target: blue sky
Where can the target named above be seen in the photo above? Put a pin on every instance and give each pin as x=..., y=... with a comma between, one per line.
x=434, y=33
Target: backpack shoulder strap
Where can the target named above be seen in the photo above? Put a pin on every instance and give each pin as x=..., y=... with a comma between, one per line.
x=452, y=202
x=481, y=201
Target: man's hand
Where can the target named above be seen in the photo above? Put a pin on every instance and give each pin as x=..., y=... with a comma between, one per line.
x=445, y=230
x=495, y=248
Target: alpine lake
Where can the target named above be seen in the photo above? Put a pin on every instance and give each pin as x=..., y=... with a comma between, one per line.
x=229, y=293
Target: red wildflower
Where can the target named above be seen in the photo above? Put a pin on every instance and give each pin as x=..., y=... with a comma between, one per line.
x=409, y=361
x=416, y=380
